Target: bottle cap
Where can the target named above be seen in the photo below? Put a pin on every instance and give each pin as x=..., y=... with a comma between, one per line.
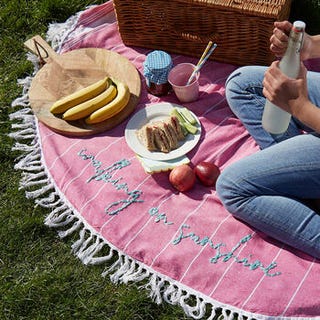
x=157, y=66
x=299, y=26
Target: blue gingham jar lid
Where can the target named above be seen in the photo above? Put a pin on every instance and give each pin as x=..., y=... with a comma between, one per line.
x=157, y=67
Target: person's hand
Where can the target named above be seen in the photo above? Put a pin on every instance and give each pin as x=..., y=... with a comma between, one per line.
x=280, y=37
x=287, y=93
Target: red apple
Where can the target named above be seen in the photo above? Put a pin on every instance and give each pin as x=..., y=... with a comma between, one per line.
x=182, y=177
x=207, y=173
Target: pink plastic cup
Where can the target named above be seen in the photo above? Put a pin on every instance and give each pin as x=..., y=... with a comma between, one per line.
x=178, y=78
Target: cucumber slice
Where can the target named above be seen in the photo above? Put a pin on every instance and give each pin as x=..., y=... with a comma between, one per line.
x=186, y=126
x=177, y=114
x=184, y=129
x=188, y=115
x=191, y=128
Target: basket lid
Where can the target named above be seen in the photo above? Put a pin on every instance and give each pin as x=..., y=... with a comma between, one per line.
x=269, y=8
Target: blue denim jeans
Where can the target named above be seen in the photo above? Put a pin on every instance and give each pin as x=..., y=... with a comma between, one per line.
x=271, y=189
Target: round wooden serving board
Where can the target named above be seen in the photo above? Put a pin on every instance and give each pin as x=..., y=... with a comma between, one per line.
x=68, y=72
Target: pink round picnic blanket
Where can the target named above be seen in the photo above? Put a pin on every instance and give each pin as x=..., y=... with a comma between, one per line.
x=190, y=250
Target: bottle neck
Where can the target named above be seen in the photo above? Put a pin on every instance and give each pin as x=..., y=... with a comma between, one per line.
x=295, y=40
x=290, y=62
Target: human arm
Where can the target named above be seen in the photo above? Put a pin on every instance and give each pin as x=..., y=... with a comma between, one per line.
x=291, y=95
x=279, y=41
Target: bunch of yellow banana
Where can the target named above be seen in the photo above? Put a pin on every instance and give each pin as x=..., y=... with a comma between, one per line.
x=95, y=103
x=112, y=108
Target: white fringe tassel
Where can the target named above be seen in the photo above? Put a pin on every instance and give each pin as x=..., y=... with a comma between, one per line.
x=38, y=185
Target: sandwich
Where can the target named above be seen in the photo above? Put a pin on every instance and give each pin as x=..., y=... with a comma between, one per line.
x=162, y=135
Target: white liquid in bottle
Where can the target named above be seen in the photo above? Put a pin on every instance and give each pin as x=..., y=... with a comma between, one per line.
x=274, y=119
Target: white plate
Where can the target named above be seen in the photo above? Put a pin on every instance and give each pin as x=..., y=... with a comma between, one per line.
x=153, y=113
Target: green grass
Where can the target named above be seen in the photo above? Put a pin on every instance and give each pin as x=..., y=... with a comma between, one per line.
x=39, y=276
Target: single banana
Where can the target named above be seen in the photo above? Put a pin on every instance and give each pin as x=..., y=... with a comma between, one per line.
x=84, y=109
x=113, y=107
x=79, y=96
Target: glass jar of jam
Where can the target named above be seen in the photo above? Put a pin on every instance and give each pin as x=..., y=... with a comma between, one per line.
x=156, y=69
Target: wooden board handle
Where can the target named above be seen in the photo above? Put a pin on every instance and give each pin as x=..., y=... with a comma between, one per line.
x=42, y=49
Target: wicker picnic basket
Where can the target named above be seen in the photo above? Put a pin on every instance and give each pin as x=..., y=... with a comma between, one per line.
x=240, y=28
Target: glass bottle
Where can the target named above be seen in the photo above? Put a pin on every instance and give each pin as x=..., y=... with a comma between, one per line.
x=274, y=119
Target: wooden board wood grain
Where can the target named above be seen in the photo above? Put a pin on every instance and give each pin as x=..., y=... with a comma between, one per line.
x=68, y=72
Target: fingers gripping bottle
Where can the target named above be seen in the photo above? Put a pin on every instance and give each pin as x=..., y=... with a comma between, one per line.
x=274, y=119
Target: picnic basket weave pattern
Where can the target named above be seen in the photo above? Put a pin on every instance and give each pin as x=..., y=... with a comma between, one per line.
x=240, y=28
